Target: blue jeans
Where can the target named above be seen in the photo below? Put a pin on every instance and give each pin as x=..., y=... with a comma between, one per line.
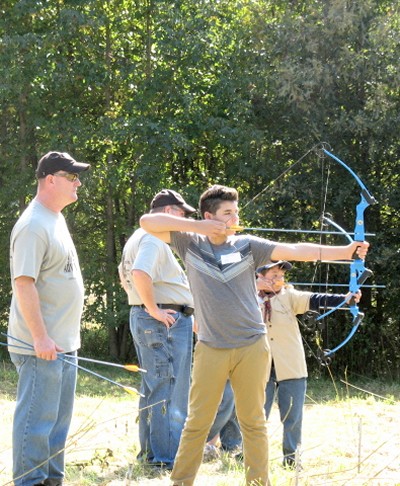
x=43, y=412
x=290, y=395
x=226, y=423
x=166, y=354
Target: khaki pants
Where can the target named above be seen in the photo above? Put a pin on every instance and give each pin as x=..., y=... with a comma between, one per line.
x=247, y=368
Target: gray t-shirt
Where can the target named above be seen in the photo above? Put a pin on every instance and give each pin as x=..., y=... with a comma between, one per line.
x=151, y=255
x=42, y=248
x=222, y=280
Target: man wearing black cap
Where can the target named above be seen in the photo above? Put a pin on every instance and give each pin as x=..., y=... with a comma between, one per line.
x=45, y=316
x=161, y=322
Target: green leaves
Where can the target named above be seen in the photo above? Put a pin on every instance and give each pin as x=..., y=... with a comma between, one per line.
x=184, y=94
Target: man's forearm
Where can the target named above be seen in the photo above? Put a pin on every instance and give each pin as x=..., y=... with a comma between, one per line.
x=308, y=252
x=161, y=224
x=144, y=287
x=29, y=304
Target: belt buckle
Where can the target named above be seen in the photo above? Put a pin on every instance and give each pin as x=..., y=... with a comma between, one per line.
x=187, y=310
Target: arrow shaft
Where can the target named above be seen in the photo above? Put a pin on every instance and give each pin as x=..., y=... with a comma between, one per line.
x=319, y=284
x=316, y=232
x=15, y=346
x=65, y=360
x=107, y=363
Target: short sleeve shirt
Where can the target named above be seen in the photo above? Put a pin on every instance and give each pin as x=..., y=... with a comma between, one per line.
x=41, y=247
x=222, y=279
x=154, y=257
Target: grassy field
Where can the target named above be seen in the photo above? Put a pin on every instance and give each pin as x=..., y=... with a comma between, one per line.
x=351, y=436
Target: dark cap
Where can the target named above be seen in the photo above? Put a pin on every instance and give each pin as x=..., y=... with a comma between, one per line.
x=168, y=197
x=284, y=265
x=52, y=162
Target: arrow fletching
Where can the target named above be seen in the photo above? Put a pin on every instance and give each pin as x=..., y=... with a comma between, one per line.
x=132, y=391
x=133, y=367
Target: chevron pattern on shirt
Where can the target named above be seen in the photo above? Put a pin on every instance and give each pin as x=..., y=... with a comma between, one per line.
x=201, y=257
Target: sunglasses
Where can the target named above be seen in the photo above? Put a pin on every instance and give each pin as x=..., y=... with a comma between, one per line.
x=68, y=175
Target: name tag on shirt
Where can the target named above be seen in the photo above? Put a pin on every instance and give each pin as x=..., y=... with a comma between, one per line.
x=231, y=258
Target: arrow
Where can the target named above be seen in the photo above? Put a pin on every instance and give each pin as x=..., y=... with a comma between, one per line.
x=129, y=367
x=128, y=389
x=14, y=346
x=282, y=230
x=315, y=284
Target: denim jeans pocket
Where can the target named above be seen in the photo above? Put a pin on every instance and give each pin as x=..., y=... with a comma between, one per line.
x=151, y=338
x=154, y=350
x=19, y=360
x=178, y=318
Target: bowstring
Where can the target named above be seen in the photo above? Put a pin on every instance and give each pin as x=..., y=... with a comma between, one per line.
x=320, y=145
x=318, y=150
x=325, y=175
x=322, y=332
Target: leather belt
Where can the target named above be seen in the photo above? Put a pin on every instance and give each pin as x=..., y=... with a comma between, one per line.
x=185, y=309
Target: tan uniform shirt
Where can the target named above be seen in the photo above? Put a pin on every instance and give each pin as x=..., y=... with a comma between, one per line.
x=284, y=334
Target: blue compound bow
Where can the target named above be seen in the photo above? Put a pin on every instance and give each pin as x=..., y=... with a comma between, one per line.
x=358, y=271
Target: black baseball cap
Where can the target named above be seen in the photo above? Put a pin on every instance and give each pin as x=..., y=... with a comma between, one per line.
x=283, y=264
x=168, y=197
x=52, y=162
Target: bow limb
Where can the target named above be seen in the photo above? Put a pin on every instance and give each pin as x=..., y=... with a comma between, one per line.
x=324, y=356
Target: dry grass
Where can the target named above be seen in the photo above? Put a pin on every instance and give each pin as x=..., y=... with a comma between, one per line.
x=349, y=441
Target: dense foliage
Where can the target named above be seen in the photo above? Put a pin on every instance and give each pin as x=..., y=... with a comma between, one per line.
x=181, y=94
